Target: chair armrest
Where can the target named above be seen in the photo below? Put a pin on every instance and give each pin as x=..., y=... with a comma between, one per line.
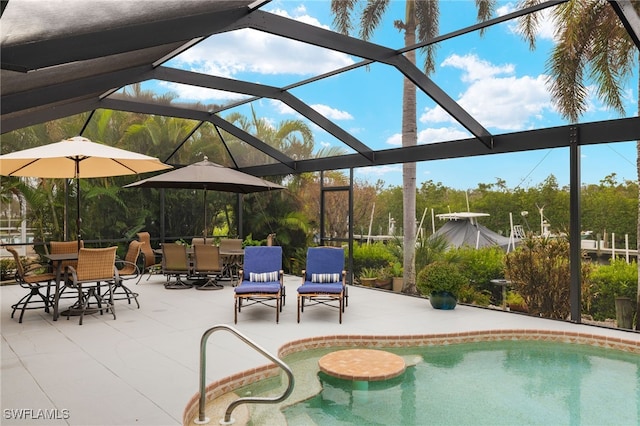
x=121, y=263
x=36, y=266
x=70, y=270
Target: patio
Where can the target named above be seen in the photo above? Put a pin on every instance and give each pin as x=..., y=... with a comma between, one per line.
x=142, y=368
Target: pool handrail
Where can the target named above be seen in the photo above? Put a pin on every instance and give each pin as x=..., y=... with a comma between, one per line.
x=255, y=400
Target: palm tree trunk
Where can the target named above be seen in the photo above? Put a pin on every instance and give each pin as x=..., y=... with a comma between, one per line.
x=638, y=224
x=409, y=138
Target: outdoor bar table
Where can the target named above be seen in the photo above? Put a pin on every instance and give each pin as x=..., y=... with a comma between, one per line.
x=57, y=259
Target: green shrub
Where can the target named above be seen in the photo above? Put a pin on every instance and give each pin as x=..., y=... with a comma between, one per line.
x=480, y=266
x=472, y=295
x=7, y=269
x=369, y=273
x=440, y=276
x=429, y=250
x=374, y=256
x=539, y=269
x=618, y=279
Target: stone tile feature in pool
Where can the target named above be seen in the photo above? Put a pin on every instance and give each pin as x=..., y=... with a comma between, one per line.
x=232, y=383
x=367, y=365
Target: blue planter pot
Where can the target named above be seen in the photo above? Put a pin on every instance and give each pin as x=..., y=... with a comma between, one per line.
x=442, y=300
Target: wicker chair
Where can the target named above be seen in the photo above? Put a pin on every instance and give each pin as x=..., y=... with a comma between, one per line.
x=32, y=276
x=199, y=241
x=175, y=263
x=95, y=266
x=207, y=265
x=64, y=247
x=151, y=264
x=128, y=270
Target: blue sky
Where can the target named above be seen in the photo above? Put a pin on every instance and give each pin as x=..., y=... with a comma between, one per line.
x=496, y=78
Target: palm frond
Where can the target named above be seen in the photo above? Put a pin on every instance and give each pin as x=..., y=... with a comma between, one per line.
x=371, y=17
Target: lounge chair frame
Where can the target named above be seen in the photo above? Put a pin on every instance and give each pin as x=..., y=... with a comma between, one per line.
x=324, y=260
x=272, y=294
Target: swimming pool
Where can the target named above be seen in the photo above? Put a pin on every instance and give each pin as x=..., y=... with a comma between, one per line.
x=510, y=377
x=488, y=383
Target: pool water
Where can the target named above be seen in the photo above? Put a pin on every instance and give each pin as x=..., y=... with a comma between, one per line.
x=490, y=383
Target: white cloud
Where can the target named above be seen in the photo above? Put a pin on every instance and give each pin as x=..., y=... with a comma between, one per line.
x=282, y=108
x=475, y=68
x=502, y=102
x=395, y=140
x=380, y=170
x=195, y=93
x=332, y=113
x=547, y=26
x=505, y=9
x=301, y=16
x=441, y=134
x=251, y=51
x=432, y=135
x=325, y=110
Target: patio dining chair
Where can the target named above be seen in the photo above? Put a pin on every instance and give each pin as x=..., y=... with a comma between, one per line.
x=95, y=267
x=151, y=263
x=175, y=263
x=261, y=280
x=128, y=270
x=65, y=247
x=200, y=240
x=324, y=280
x=207, y=265
x=32, y=276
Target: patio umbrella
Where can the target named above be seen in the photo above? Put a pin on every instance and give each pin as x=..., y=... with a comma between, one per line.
x=77, y=157
x=207, y=176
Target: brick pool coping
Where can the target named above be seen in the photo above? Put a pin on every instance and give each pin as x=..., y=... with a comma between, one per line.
x=247, y=377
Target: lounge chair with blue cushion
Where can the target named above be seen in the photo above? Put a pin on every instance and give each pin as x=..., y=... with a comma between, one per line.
x=261, y=280
x=324, y=280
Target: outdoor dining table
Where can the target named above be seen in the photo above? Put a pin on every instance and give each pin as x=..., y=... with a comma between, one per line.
x=231, y=263
x=57, y=260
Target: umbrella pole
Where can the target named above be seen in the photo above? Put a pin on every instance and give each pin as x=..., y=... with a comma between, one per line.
x=78, y=219
x=204, y=213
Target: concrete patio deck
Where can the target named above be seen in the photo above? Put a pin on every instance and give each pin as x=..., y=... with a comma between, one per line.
x=142, y=368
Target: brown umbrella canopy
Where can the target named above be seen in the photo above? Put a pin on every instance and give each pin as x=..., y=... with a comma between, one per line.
x=208, y=176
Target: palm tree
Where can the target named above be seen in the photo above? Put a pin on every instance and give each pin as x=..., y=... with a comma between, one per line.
x=592, y=46
x=419, y=25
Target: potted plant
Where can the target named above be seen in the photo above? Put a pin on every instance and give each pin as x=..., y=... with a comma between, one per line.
x=384, y=278
x=368, y=276
x=397, y=274
x=441, y=282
